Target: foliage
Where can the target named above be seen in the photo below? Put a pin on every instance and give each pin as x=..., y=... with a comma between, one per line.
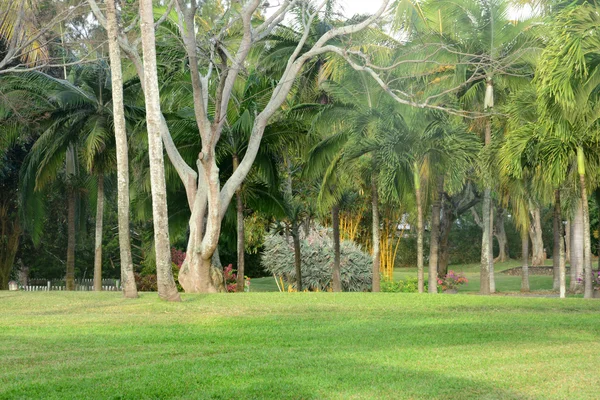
x=452, y=280
x=230, y=277
x=408, y=285
x=317, y=261
x=146, y=283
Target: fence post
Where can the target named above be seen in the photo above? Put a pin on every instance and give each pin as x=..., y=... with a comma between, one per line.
x=117, y=284
x=49, y=287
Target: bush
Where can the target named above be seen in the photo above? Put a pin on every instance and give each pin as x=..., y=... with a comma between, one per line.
x=146, y=283
x=409, y=285
x=317, y=261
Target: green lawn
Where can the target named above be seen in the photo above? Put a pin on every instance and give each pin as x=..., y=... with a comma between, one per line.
x=298, y=345
x=504, y=283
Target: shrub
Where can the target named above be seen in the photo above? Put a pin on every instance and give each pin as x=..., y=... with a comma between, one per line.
x=146, y=283
x=317, y=261
x=409, y=285
x=452, y=280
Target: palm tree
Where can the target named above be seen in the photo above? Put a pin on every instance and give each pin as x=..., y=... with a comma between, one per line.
x=568, y=82
x=492, y=52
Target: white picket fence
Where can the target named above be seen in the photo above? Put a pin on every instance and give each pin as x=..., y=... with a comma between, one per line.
x=81, y=285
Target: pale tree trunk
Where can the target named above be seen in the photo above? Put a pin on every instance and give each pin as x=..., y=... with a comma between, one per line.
x=127, y=277
x=491, y=241
x=556, y=229
x=568, y=242
x=434, y=242
x=561, y=248
x=486, y=256
x=537, y=243
x=500, y=234
x=420, y=272
x=335, y=220
x=576, y=285
x=376, y=287
x=241, y=281
x=98, y=238
x=167, y=290
x=588, y=292
x=525, y=262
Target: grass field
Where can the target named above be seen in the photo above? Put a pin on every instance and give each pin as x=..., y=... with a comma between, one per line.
x=297, y=345
x=504, y=283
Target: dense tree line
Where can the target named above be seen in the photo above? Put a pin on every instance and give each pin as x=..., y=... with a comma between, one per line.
x=202, y=125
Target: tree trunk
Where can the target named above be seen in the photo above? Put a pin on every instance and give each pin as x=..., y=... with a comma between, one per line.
x=588, y=291
x=167, y=290
x=10, y=232
x=420, y=272
x=99, y=227
x=297, y=255
x=486, y=256
x=500, y=234
x=561, y=246
x=241, y=281
x=491, y=241
x=70, y=277
x=556, y=229
x=446, y=223
x=568, y=242
x=537, y=243
x=576, y=285
x=525, y=263
x=434, y=242
x=487, y=249
x=122, y=150
x=376, y=234
x=335, y=220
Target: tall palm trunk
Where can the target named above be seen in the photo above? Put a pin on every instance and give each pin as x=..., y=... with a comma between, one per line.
x=98, y=238
x=557, y=230
x=434, y=242
x=376, y=287
x=587, y=249
x=561, y=246
x=10, y=232
x=420, y=272
x=297, y=255
x=525, y=262
x=576, y=285
x=486, y=256
x=241, y=281
x=568, y=241
x=127, y=277
x=71, y=202
x=335, y=220
x=487, y=282
x=167, y=290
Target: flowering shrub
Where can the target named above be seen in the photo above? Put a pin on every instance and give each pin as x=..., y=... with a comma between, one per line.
x=596, y=280
x=177, y=257
x=230, y=276
x=452, y=280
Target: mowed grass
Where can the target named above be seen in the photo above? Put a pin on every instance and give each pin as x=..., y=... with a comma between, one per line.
x=88, y=345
